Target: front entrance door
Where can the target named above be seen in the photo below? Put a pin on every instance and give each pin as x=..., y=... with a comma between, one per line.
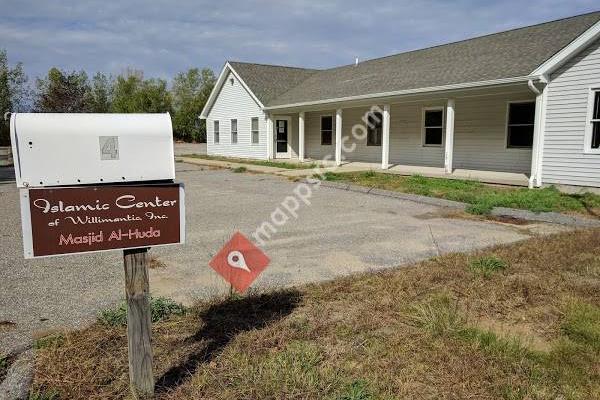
x=282, y=145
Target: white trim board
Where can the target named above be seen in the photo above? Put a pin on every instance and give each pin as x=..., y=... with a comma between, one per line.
x=580, y=43
x=466, y=85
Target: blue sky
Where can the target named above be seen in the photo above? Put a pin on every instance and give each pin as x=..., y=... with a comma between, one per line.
x=165, y=37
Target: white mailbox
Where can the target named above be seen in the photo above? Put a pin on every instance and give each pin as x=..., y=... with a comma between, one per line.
x=77, y=149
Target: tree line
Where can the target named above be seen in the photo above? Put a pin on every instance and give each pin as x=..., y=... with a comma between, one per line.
x=129, y=92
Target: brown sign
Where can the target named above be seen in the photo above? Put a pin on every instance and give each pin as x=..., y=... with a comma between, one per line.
x=83, y=219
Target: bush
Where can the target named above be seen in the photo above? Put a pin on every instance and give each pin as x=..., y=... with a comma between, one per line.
x=239, y=170
x=486, y=266
x=162, y=308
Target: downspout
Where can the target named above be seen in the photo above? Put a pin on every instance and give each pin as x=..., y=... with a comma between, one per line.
x=537, y=127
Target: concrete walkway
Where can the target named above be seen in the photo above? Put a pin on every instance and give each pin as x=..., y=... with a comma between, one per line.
x=503, y=178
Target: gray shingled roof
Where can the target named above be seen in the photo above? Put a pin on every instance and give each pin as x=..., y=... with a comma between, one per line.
x=509, y=54
x=269, y=81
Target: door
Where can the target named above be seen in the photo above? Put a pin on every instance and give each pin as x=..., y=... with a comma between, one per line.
x=282, y=130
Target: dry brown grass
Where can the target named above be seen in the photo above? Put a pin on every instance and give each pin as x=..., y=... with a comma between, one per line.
x=431, y=330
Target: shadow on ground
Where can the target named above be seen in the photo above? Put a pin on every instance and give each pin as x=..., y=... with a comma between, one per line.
x=7, y=174
x=221, y=323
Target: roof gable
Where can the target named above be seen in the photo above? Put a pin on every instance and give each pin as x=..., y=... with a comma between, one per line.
x=268, y=82
x=262, y=82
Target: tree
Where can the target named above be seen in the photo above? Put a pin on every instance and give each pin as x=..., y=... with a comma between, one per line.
x=14, y=93
x=134, y=94
x=63, y=92
x=100, y=96
x=190, y=93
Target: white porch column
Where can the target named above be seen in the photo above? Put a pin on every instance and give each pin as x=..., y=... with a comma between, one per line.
x=270, y=137
x=449, y=153
x=535, y=178
x=338, y=136
x=385, y=140
x=301, y=136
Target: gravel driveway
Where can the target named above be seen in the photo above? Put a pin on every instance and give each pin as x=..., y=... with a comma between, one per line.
x=340, y=233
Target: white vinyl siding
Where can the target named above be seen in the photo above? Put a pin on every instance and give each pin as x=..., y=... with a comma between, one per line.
x=234, y=102
x=479, y=135
x=565, y=159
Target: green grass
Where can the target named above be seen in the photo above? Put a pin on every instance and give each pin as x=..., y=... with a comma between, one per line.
x=36, y=395
x=439, y=315
x=487, y=265
x=264, y=163
x=357, y=390
x=429, y=330
x=54, y=339
x=482, y=198
x=582, y=324
x=162, y=308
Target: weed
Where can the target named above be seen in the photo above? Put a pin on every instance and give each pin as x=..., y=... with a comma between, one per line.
x=487, y=265
x=489, y=341
x=480, y=208
x=37, y=395
x=52, y=340
x=582, y=324
x=357, y=390
x=162, y=308
x=328, y=176
x=239, y=170
x=369, y=174
x=439, y=315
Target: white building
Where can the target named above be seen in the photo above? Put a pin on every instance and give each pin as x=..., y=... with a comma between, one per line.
x=524, y=102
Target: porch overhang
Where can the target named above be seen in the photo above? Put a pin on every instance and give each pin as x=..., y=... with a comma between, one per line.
x=400, y=95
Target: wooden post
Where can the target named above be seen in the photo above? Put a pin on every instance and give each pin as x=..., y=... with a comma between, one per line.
x=139, y=322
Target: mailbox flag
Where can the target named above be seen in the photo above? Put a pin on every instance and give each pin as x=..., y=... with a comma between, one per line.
x=239, y=262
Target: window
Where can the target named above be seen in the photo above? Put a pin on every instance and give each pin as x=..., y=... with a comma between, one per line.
x=326, y=129
x=216, y=132
x=433, y=126
x=254, y=128
x=593, y=129
x=374, y=128
x=234, y=131
x=521, y=118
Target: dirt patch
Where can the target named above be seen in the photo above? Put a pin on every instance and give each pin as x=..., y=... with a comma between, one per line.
x=517, y=330
x=155, y=263
x=505, y=219
x=450, y=213
x=7, y=326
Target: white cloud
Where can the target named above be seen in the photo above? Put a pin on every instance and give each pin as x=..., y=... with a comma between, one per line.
x=164, y=37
